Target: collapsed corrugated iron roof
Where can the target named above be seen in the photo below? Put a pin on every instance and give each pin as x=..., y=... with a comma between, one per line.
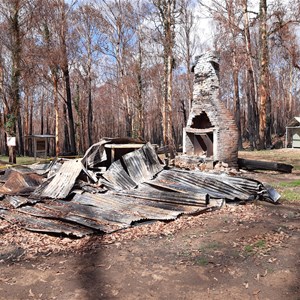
x=78, y=201
x=20, y=182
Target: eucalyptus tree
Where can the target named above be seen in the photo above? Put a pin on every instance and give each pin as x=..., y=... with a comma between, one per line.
x=15, y=16
x=187, y=44
x=264, y=89
x=167, y=12
x=64, y=12
x=277, y=26
x=88, y=35
x=251, y=80
x=119, y=29
x=284, y=63
x=229, y=42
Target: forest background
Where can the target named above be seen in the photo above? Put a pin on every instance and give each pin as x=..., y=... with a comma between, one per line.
x=84, y=70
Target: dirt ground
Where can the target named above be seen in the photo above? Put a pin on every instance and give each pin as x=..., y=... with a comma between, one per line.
x=239, y=252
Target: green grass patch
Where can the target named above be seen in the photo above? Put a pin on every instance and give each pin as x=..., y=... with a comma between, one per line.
x=289, y=156
x=294, y=183
x=251, y=248
x=210, y=246
x=24, y=160
x=201, y=261
x=260, y=244
x=290, y=195
x=289, y=190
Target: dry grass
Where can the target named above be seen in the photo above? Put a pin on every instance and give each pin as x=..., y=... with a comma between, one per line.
x=286, y=155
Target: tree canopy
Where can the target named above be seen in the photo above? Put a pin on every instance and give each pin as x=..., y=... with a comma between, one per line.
x=84, y=70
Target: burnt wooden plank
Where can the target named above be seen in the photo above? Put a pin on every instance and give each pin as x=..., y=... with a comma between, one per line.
x=252, y=165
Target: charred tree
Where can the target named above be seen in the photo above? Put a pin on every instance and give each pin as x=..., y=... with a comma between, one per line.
x=251, y=84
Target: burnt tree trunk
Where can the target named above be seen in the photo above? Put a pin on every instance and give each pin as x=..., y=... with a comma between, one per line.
x=251, y=87
x=236, y=100
x=14, y=108
x=66, y=74
x=166, y=11
x=69, y=111
x=56, y=109
x=67, y=147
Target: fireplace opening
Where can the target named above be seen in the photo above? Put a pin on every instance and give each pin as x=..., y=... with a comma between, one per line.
x=200, y=136
x=201, y=121
x=201, y=143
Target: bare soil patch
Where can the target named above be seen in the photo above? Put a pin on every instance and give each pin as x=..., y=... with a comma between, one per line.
x=239, y=252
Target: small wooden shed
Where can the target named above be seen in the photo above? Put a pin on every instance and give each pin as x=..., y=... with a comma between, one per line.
x=292, y=134
x=40, y=144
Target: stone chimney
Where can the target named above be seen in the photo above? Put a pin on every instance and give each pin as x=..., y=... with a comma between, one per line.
x=211, y=131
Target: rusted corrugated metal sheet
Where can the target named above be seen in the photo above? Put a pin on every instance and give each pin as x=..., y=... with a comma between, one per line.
x=17, y=201
x=68, y=211
x=124, y=209
x=44, y=225
x=134, y=189
x=63, y=182
x=152, y=160
x=199, y=182
x=148, y=193
x=101, y=212
x=135, y=163
x=17, y=183
x=96, y=154
x=142, y=164
x=131, y=208
x=119, y=177
x=135, y=167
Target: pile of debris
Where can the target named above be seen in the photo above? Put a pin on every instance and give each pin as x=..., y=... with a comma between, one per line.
x=94, y=194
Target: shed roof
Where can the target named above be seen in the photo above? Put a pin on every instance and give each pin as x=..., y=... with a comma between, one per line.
x=295, y=122
x=44, y=136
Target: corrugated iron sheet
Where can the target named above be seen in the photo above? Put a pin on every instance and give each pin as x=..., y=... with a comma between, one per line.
x=17, y=183
x=136, y=188
x=142, y=164
x=63, y=182
x=130, y=208
x=201, y=183
x=134, y=168
x=17, y=201
x=44, y=225
x=148, y=193
x=135, y=163
x=119, y=177
x=73, y=212
x=96, y=154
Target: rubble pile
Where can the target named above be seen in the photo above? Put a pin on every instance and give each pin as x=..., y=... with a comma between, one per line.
x=107, y=191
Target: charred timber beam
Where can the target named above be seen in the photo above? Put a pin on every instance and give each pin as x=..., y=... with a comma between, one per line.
x=252, y=165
